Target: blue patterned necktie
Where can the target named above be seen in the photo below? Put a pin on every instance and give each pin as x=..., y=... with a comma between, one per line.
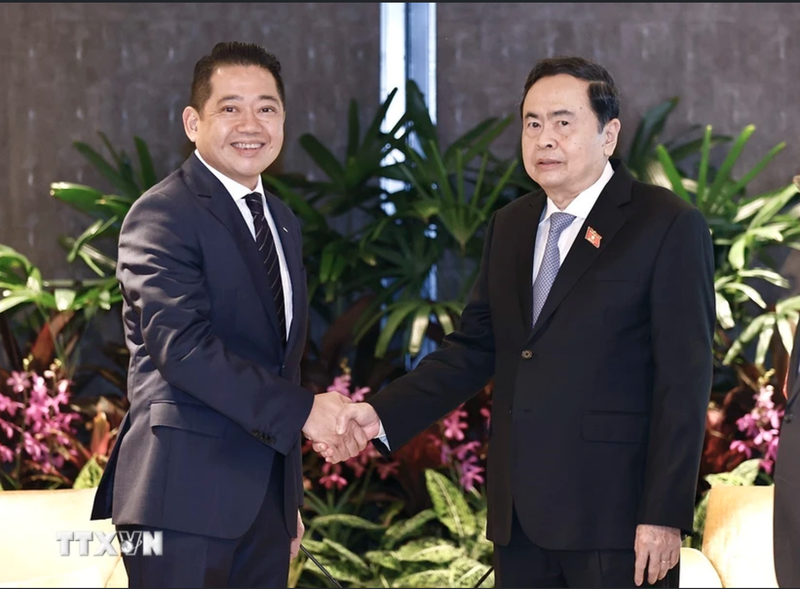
x=269, y=256
x=551, y=262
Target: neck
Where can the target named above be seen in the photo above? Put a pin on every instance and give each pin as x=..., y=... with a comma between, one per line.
x=562, y=197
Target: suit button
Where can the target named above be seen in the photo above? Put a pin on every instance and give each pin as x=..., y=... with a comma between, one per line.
x=527, y=354
x=256, y=433
x=269, y=440
x=788, y=417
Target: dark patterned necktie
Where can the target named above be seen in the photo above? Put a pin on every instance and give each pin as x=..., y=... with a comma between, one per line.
x=269, y=255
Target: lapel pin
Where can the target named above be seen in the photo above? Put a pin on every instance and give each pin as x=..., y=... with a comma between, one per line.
x=285, y=229
x=593, y=237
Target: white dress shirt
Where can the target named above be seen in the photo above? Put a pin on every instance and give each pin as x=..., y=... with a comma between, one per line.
x=238, y=192
x=580, y=208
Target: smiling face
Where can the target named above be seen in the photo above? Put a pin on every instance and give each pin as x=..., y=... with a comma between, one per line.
x=240, y=129
x=563, y=149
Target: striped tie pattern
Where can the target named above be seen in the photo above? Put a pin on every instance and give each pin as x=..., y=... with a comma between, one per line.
x=551, y=262
x=269, y=255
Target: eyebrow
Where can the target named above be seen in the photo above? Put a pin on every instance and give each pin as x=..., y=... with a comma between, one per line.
x=556, y=113
x=239, y=98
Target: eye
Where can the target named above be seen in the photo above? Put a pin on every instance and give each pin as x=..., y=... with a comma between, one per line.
x=533, y=125
x=228, y=109
x=268, y=109
x=563, y=123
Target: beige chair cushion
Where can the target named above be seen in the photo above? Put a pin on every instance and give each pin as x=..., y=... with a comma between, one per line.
x=89, y=577
x=738, y=535
x=697, y=570
x=29, y=546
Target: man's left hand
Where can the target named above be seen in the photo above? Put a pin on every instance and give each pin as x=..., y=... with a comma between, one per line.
x=658, y=549
x=301, y=529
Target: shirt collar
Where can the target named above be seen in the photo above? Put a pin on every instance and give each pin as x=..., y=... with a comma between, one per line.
x=236, y=190
x=582, y=205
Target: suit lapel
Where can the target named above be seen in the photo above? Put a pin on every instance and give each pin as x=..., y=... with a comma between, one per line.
x=526, y=226
x=220, y=204
x=292, y=248
x=605, y=218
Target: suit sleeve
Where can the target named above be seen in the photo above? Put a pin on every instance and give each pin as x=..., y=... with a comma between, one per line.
x=161, y=275
x=683, y=321
x=446, y=378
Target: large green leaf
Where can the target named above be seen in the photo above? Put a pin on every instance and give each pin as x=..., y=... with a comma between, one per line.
x=11, y=301
x=64, y=297
x=147, y=176
x=89, y=476
x=347, y=555
x=348, y=520
x=317, y=548
x=339, y=569
x=440, y=553
x=323, y=158
x=724, y=313
x=467, y=572
x=773, y=204
x=433, y=578
x=384, y=558
x=403, y=529
x=647, y=132
x=450, y=505
x=397, y=313
x=117, y=178
x=715, y=192
x=672, y=173
x=83, y=198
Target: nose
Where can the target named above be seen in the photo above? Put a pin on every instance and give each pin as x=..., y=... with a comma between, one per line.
x=546, y=139
x=249, y=122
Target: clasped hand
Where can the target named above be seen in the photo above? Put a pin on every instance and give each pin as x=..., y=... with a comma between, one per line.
x=339, y=428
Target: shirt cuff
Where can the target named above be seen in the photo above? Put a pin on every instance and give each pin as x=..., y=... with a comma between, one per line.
x=382, y=437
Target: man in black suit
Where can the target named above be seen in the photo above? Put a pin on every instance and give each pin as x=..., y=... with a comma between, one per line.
x=594, y=314
x=215, y=316
x=786, y=524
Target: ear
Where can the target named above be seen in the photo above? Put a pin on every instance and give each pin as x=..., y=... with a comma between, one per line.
x=191, y=120
x=611, y=136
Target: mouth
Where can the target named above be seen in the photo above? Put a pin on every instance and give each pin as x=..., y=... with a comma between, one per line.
x=248, y=147
x=547, y=163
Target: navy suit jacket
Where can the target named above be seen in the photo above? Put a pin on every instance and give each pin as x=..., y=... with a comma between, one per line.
x=786, y=512
x=599, y=411
x=214, y=396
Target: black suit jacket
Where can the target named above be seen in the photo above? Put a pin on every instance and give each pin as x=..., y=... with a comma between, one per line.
x=598, y=412
x=214, y=396
x=786, y=524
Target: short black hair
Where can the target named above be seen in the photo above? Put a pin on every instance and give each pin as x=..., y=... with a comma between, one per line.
x=232, y=53
x=603, y=93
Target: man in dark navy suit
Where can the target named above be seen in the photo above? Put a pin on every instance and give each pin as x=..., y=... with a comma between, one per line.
x=215, y=316
x=593, y=312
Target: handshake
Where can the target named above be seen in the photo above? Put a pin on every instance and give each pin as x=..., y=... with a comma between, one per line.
x=339, y=428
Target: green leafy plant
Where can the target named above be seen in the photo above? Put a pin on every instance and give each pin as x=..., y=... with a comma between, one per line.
x=108, y=210
x=642, y=159
x=444, y=546
x=382, y=264
x=743, y=229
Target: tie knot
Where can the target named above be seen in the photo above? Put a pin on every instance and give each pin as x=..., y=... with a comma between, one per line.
x=254, y=203
x=560, y=221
